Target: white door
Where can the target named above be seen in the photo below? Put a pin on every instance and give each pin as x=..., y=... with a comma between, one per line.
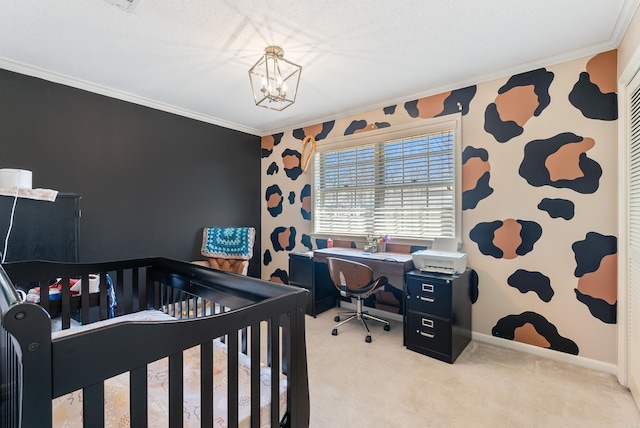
x=633, y=286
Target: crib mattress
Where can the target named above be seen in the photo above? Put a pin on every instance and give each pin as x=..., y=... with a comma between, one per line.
x=67, y=410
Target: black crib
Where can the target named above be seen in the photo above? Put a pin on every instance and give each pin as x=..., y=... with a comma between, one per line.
x=206, y=305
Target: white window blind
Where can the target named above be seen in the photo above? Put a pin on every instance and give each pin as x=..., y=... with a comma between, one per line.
x=404, y=187
x=633, y=266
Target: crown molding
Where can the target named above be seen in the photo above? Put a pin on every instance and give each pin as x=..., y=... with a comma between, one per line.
x=84, y=85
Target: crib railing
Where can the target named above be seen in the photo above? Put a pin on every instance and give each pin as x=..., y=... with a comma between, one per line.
x=10, y=361
x=35, y=369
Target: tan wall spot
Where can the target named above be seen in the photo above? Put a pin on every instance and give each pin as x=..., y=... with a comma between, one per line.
x=369, y=127
x=507, y=238
x=564, y=163
x=603, y=283
x=428, y=107
x=268, y=142
x=313, y=130
x=472, y=170
x=306, y=203
x=603, y=69
x=517, y=104
x=274, y=200
x=283, y=238
x=528, y=334
x=290, y=162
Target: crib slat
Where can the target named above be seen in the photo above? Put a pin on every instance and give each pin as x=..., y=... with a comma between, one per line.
x=127, y=296
x=232, y=381
x=244, y=343
x=176, y=388
x=186, y=307
x=10, y=405
x=159, y=296
x=128, y=292
x=93, y=405
x=165, y=297
x=285, y=323
x=66, y=302
x=296, y=365
x=171, y=299
x=156, y=294
x=206, y=384
x=180, y=305
x=165, y=293
x=104, y=303
x=269, y=353
x=84, y=298
x=122, y=292
x=275, y=371
x=255, y=375
x=138, y=394
x=168, y=298
x=142, y=292
x=44, y=295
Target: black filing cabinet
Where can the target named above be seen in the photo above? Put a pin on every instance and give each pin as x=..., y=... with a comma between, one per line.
x=304, y=272
x=437, y=319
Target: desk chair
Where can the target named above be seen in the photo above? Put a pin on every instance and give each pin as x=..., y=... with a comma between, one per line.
x=353, y=279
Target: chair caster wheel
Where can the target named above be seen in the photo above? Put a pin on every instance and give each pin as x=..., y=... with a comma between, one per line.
x=337, y=319
x=367, y=339
x=334, y=332
x=387, y=327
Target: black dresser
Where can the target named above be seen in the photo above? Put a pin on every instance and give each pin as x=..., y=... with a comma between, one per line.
x=305, y=273
x=437, y=320
x=42, y=230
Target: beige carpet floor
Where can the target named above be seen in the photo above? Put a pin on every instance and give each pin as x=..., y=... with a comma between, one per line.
x=382, y=384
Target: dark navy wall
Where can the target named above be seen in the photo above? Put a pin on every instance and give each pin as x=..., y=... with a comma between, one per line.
x=149, y=180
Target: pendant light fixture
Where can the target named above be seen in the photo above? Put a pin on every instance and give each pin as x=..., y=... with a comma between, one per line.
x=274, y=80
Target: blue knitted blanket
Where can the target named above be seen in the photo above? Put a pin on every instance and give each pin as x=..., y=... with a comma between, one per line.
x=228, y=242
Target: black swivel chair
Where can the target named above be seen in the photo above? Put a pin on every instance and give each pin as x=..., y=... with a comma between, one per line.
x=353, y=279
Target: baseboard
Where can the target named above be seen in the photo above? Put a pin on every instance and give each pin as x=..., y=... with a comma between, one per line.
x=510, y=344
x=547, y=353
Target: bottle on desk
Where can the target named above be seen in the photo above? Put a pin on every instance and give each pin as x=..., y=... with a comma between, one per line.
x=329, y=243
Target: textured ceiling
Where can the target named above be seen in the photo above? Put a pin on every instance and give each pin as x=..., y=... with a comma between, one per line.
x=192, y=57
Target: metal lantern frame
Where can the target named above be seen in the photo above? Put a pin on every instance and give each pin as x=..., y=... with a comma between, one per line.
x=274, y=80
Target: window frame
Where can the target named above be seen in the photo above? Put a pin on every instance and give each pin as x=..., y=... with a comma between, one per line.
x=424, y=126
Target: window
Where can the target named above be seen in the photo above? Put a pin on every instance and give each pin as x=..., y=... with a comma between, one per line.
x=401, y=183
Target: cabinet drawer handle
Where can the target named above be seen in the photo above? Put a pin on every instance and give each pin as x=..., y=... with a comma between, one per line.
x=425, y=334
x=427, y=299
x=427, y=288
x=427, y=323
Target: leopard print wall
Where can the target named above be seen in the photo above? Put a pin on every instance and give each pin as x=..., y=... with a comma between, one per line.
x=539, y=183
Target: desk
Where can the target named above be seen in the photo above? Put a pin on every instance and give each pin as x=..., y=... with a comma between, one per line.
x=304, y=273
x=437, y=317
x=309, y=270
x=385, y=263
x=393, y=265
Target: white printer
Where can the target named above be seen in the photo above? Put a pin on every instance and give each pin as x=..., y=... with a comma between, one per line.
x=443, y=257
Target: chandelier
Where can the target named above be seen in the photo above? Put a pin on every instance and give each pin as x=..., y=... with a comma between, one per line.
x=274, y=80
